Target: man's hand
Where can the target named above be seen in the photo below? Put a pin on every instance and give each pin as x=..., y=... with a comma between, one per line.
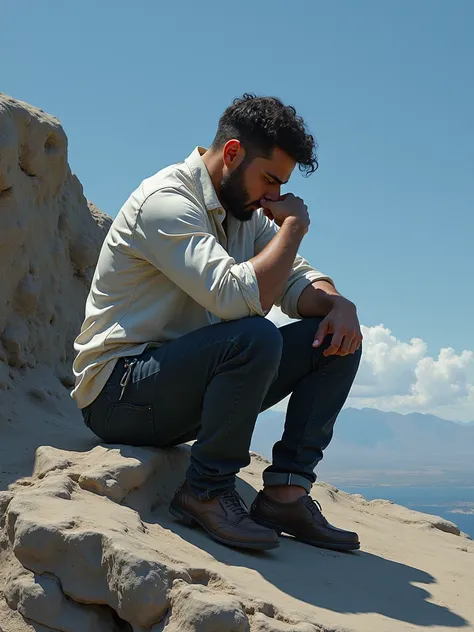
x=285, y=207
x=343, y=324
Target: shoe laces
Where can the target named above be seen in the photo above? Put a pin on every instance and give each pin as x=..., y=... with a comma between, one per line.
x=315, y=509
x=231, y=499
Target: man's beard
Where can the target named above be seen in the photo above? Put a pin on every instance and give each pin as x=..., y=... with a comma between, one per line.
x=234, y=196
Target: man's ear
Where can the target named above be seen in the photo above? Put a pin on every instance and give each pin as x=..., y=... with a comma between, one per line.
x=233, y=153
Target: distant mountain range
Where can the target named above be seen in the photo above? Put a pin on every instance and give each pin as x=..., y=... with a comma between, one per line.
x=375, y=447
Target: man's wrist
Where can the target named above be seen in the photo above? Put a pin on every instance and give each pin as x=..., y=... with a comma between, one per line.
x=319, y=298
x=296, y=224
x=329, y=300
x=338, y=299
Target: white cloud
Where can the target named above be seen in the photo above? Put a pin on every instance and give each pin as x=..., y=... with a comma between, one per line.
x=401, y=376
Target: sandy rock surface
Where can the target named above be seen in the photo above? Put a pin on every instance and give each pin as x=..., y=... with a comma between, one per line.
x=50, y=237
x=86, y=540
x=90, y=545
x=49, y=244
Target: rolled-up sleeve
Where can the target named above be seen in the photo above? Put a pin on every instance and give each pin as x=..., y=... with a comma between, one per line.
x=301, y=275
x=172, y=234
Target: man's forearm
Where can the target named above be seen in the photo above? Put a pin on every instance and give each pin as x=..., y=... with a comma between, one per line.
x=317, y=299
x=273, y=265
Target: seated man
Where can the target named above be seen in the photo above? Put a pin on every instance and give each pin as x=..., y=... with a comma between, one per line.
x=175, y=345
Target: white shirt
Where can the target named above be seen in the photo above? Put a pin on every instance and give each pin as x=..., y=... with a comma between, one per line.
x=167, y=268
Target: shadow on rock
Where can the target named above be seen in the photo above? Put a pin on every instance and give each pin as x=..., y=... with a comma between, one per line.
x=349, y=583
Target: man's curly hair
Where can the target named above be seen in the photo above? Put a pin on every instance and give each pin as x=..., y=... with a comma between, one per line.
x=263, y=123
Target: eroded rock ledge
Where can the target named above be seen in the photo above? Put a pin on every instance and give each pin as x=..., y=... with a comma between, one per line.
x=86, y=558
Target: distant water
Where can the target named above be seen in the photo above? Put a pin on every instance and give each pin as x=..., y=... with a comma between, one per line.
x=439, y=501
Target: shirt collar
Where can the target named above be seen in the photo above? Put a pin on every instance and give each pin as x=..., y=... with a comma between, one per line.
x=202, y=179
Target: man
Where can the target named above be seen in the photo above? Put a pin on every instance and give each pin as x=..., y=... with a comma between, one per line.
x=175, y=345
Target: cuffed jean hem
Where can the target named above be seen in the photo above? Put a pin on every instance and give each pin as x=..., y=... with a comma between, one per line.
x=206, y=488
x=281, y=478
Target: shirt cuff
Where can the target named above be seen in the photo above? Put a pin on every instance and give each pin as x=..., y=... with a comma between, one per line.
x=247, y=280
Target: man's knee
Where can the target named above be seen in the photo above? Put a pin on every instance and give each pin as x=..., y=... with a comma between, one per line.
x=349, y=363
x=262, y=338
x=357, y=355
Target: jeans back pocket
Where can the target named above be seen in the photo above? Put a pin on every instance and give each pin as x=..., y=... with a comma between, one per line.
x=121, y=422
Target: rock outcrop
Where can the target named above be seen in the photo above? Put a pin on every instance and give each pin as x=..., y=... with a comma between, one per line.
x=90, y=545
x=49, y=243
x=86, y=540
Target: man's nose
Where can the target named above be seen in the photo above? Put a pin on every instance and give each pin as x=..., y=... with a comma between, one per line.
x=272, y=195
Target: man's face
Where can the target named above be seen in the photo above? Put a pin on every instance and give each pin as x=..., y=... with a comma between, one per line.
x=245, y=182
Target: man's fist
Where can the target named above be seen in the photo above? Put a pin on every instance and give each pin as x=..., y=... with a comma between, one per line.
x=285, y=207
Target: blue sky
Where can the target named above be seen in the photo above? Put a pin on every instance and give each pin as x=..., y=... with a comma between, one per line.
x=386, y=87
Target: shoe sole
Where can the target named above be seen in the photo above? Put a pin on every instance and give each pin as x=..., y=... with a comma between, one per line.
x=341, y=546
x=191, y=521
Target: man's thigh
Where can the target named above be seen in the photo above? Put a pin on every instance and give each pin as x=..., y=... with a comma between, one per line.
x=173, y=379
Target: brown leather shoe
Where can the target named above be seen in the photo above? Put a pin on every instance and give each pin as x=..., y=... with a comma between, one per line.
x=302, y=519
x=225, y=518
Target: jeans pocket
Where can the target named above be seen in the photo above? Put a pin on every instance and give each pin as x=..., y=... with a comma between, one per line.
x=130, y=424
x=119, y=422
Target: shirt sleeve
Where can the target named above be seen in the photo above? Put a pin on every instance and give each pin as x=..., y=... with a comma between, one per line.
x=301, y=274
x=171, y=232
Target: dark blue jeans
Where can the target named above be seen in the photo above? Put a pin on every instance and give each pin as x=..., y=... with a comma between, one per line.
x=211, y=384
